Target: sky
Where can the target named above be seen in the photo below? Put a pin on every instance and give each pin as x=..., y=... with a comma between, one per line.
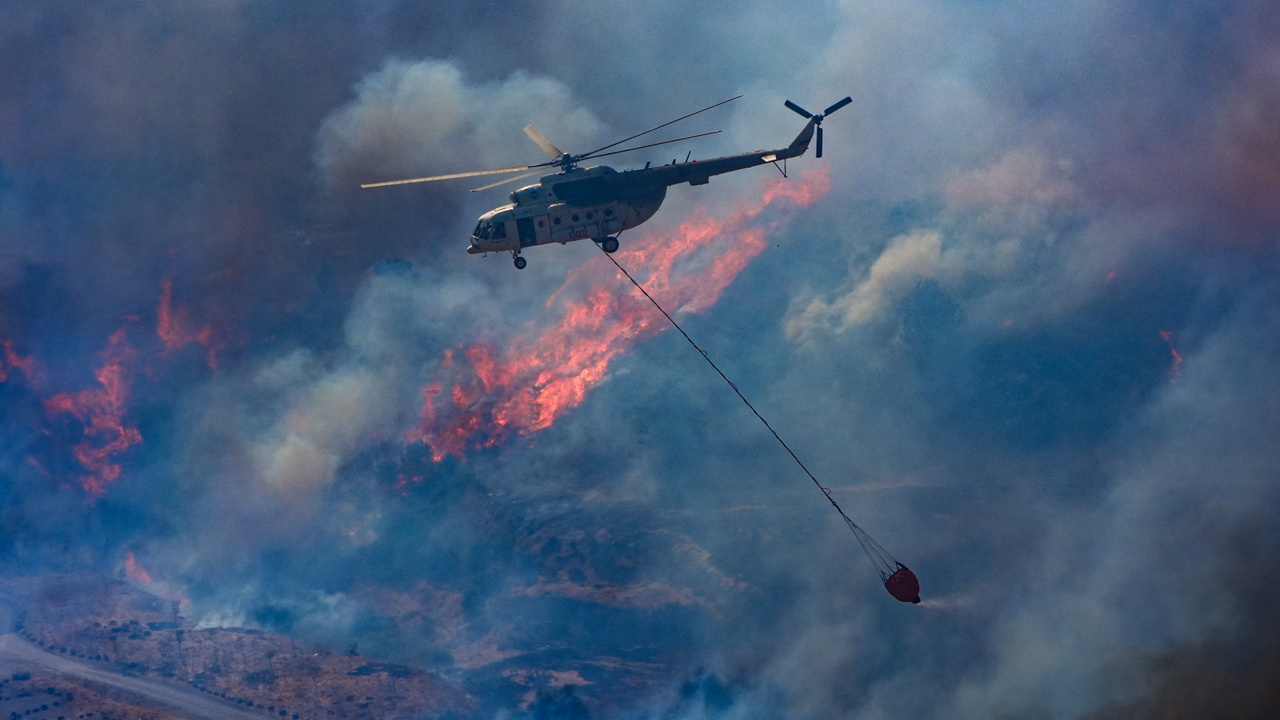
x=1021, y=319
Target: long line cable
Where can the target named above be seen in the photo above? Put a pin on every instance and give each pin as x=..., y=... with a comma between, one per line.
x=884, y=562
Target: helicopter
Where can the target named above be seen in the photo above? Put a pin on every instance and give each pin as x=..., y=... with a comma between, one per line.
x=599, y=202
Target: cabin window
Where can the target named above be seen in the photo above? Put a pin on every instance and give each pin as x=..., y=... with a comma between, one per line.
x=555, y=221
x=499, y=231
x=575, y=217
x=540, y=223
x=608, y=212
x=479, y=231
x=589, y=215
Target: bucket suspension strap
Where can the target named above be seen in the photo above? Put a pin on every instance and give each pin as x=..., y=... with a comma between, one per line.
x=884, y=563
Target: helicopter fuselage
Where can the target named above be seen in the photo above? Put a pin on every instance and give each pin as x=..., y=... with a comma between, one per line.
x=598, y=202
x=538, y=216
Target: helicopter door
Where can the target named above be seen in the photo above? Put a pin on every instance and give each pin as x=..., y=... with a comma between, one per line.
x=524, y=228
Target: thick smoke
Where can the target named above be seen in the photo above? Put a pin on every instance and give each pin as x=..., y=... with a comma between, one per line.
x=419, y=118
x=1027, y=340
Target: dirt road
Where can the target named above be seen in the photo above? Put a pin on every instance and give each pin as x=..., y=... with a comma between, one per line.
x=17, y=653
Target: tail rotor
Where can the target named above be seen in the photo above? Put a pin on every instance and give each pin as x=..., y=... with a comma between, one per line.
x=817, y=119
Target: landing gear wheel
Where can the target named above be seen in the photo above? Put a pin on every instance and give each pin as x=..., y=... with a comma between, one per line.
x=520, y=262
x=609, y=245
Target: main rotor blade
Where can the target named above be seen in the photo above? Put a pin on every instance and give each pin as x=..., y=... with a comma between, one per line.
x=547, y=146
x=801, y=110
x=452, y=176
x=664, y=142
x=504, y=181
x=646, y=132
x=837, y=106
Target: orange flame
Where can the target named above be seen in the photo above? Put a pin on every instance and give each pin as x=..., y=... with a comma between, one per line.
x=1176, y=369
x=545, y=373
x=102, y=410
x=171, y=327
x=11, y=360
x=134, y=570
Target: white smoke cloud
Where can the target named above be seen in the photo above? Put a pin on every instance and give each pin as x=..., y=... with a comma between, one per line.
x=1015, y=242
x=907, y=260
x=368, y=392
x=1020, y=176
x=423, y=118
x=1142, y=570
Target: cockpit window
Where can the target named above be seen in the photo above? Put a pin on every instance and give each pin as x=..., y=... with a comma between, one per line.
x=491, y=231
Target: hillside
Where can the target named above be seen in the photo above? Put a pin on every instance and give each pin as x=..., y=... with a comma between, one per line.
x=118, y=626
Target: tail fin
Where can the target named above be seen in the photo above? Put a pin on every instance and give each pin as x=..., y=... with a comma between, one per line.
x=801, y=143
